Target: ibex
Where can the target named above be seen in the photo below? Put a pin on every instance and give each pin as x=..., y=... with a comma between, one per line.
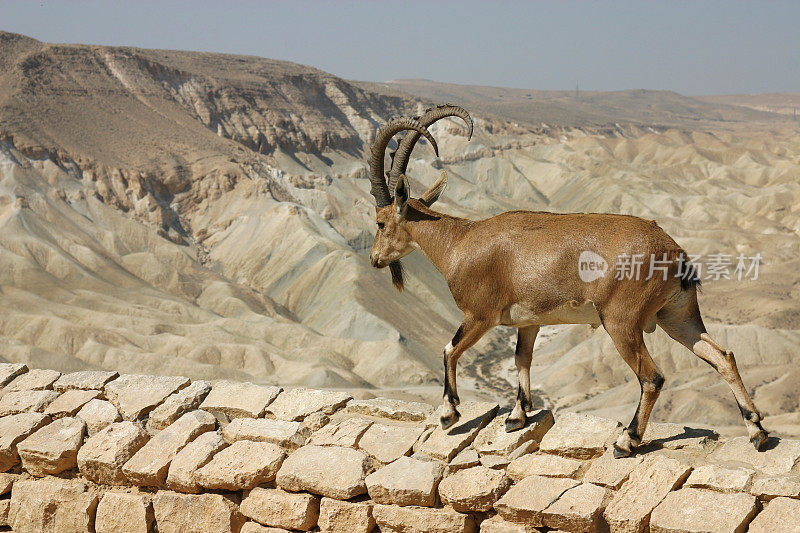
x=520, y=269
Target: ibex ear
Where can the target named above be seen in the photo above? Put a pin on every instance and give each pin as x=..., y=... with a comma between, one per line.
x=401, y=194
x=436, y=190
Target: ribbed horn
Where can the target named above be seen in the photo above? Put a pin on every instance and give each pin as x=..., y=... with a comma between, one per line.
x=403, y=154
x=379, y=188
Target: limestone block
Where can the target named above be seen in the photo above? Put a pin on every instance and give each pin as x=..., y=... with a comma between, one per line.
x=98, y=414
x=497, y=524
x=122, y=511
x=85, y=380
x=8, y=371
x=473, y=490
x=231, y=399
x=242, y=465
x=14, y=429
x=389, y=442
x=296, y=404
x=610, y=471
x=195, y=513
x=290, y=435
x=406, y=481
x=345, y=432
x=578, y=510
x=768, y=487
x=466, y=458
x=101, y=458
x=422, y=520
x=177, y=404
x=277, y=508
x=391, y=409
x=693, y=510
x=36, y=379
x=345, y=517
x=498, y=462
x=580, y=436
x=194, y=455
x=526, y=501
x=444, y=445
x=781, y=514
x=543, y=464
x=33, y=401
x=6, y=482
x=330, y=471
x=70, y=402
x=255, y=527
x=493, y=439
x=53, y=505
x=778, y=457
x=53, y=448
x=5, y=505
x=524, y=449
x=135, y=396
x=719, y=478
x=678, y=436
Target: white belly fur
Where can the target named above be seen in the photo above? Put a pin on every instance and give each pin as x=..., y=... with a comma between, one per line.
x=570, y=313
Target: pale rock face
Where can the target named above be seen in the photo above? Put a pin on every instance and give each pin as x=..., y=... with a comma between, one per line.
x=473, y=489
x=255, y=527
x=693, y=510
x=178, y=403
x=98, y=414
x=296, y=404
x=136, y=395
x=101, y=458
x=389, y=442
x=611, y=472
x=85, y=380
x=497, y=524
x=242, y=465
x=580, y=436
x=53, y=448
x=444, y=445
x=493, y=439
x=232, y=399
x=277, y=508
x=648, y=484
x=8, y=371
x=677, y=436
x=121, y=511
x=70, y=402
x=779, y=515
x=524, y=449
x=498, y=462
x=53, y=505
x=286, y=434
x=34, y=401
x=578, y=510
x=542, y=464
x=14, y=429
x=5, y=505
x=466, y=458
x=391, y=409
x=195, y=513
x=346, y=432
x=6, y=482
x=194, y=455
x=774, y=461
x=526, y=501
x=325, y=470
x=36, y=379
x=717, y=478
x=149, y=466
x=406, y=481
x=345, y=517
x=422, y=520
x=767, y=487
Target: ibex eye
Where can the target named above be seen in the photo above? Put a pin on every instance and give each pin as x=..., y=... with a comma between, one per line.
x=380, y=225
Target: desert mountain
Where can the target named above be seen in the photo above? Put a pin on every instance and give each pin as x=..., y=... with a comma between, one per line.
x=208, y=215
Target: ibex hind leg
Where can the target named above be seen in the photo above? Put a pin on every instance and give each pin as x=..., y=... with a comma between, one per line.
x=522, y=357
x=681, y=320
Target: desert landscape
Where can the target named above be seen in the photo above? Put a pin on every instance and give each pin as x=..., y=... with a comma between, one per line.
x=209, y=216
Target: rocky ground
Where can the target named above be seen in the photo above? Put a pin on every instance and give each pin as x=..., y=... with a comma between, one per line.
x=96, y=451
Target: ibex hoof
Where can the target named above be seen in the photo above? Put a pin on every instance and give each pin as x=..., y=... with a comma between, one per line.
x=620, y=453
x=759, y=439
x=447, y=421
x=513, y=424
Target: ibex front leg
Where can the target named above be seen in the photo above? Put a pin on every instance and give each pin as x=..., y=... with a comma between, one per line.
x=470, y=331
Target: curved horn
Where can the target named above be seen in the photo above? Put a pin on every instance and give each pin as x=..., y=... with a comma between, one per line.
x=403, y=153
x=379, y=188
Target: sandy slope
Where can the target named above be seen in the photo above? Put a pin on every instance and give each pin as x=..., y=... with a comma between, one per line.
x=171, y=212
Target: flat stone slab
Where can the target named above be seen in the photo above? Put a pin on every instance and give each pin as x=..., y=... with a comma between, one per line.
x=70, y=402
x=580, y=436
x=33, y=401
x=498, y=462
x=610, y=471
x=648, y=484
x=6, y=482
x=98, y=414
x=242, y=465
x=194, y=455
x=406, y=481
x=345, y=432
x=526, y=501
x=121, y=511
x=466, y=458
x=578, y=510
x=290, y=435
x=387, y=443
x=14, y=429
x=422, y=519
x=232, y=399
x=391, y=409
x=473, y=490
x=207, y=513
x=150, y=465
x=493, y=439
x=8, y=371
x=444, y=445
x=103, y=454
x=177, y=404
x=53, y=448
x=777, y=458
x=36, y=379
x=779, y=515
x=345, y=517
x=296, y=404
x=330, y=471
x=135, y=396
x=768, y=487
x=543, y=464
x=678, y=436
x=52, y=504
x=277, y=508
x=718, y=478
x=694, y=510
x=497, y=524
x=85, y=380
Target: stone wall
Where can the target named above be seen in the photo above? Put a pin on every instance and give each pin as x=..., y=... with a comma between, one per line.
x=96, y=451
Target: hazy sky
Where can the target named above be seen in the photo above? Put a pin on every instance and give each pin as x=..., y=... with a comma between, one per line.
x=703, y=47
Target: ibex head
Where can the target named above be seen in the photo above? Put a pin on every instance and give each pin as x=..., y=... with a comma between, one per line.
x=392, y=240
